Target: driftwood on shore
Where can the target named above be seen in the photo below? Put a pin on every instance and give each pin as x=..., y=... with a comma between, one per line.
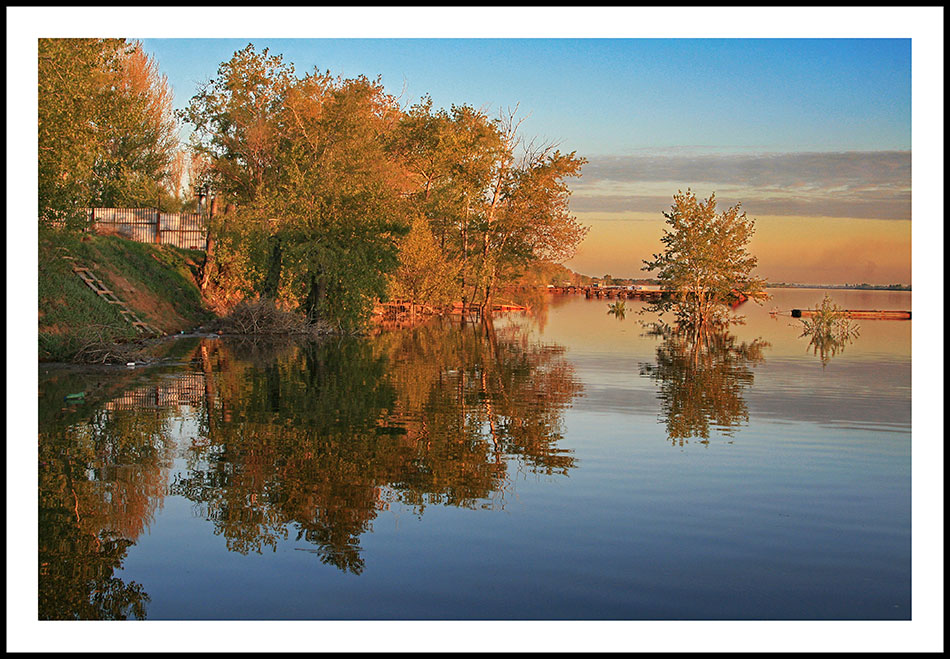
x=261, y=316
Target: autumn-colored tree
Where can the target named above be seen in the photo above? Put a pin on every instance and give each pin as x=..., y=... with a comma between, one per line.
x=141, y=163
x=532, y=220
x=450, y=157
x=237, y=124
x=495, y=206
x=234, y=154
x=706, y=263
x=326, y=173
x=340, y=199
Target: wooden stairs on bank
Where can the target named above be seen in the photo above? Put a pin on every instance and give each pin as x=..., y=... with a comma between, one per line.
x=93, y=282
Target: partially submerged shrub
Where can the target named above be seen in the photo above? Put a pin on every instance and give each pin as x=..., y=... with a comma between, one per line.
x=829, y=329
x=618, y=309
x=261, y=316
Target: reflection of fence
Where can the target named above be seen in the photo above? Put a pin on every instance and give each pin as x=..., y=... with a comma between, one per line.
x=183, y=389
x=149, y=225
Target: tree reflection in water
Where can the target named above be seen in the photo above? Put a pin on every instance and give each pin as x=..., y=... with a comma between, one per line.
x=311, y=439
x=702, y=379
x=320, y=437
x=102, y=476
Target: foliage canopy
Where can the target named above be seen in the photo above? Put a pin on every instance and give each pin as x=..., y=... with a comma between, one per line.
x=329, y=174
x=303, y=159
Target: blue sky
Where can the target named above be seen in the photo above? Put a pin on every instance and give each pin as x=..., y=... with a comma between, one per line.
x=620, y=96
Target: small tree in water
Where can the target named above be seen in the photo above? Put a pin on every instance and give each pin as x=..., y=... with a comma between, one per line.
x=706, y=264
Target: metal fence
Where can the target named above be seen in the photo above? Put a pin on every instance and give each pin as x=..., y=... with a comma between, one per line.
x=149, y=225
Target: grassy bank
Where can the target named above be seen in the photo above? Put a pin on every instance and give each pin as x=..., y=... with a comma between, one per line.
x=158, y=282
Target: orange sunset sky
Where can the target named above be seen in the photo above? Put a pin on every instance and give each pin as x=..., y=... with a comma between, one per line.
x=828, y=250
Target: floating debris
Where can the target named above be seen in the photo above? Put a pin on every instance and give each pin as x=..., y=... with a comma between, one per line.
x=882, y=314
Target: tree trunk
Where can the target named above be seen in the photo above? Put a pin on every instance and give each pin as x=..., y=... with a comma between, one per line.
x=489, y=293
x=315, y=296
x=209, y=261
x=208, y=264
x=464, y=253
x=272, y=281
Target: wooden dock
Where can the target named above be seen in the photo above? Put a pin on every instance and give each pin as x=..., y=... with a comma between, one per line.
x=610, y=293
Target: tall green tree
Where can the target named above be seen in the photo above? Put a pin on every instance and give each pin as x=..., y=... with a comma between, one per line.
x=106, y=132
x=237, y=118
x=73, y=83
x=706, y=262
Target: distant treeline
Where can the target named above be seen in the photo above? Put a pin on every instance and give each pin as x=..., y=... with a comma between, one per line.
x=860, y=287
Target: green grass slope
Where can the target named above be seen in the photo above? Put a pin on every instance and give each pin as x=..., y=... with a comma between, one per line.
x=156, y=281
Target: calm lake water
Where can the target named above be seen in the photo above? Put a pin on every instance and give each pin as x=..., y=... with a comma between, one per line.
x=567, y=465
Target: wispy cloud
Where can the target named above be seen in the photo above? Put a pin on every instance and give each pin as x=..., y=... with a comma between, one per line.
x=871, y=184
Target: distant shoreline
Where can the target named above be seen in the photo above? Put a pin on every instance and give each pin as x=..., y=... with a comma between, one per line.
x=573, y=278
x=845, y=287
